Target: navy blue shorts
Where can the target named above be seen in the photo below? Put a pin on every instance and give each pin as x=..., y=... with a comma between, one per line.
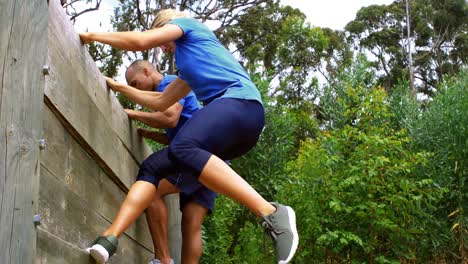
x=226, y=127
x=192, y=190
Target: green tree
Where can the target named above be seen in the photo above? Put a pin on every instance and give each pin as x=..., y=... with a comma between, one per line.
x=442, y=129
x=365, y=199
x=438, y=33
x=380, y=30
x=440, y=30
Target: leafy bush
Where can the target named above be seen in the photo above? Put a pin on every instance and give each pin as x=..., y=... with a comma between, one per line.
x=356, y=191
x=443, y=130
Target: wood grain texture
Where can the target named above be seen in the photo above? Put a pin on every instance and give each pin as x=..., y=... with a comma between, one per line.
x=79, y=93
x=23, y=50
x=71, y=224
x=92, y=156
x=81, y=175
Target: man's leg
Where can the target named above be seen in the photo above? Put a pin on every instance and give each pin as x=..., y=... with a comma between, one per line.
x=194, y=204
x=156, y=215
x=193, y=215
x=137, y=200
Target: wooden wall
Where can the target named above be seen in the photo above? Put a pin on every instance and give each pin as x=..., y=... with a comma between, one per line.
x=23, y=51
x=78, y=181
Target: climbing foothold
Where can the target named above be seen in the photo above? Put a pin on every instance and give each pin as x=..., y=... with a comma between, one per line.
x=45, y=69
x=42, y=143
x=37, y=219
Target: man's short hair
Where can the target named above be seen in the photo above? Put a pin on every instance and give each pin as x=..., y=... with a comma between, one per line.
x=139, y=65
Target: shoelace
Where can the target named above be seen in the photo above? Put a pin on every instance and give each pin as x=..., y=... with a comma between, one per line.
x=268, y=231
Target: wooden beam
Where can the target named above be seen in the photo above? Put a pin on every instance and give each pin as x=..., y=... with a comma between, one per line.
x=72, y=224
x=68, y=54
x=23, y=50
x=76, y=94
x=84, y=180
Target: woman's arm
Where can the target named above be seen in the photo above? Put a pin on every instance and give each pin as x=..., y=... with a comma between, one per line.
x=175, y=91
x=135, y=40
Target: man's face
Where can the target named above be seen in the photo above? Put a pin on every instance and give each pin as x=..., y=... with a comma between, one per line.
x=140, y=80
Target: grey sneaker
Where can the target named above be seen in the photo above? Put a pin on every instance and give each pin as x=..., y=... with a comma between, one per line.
x=281, y=226
x=157, y=261
x=103, y=248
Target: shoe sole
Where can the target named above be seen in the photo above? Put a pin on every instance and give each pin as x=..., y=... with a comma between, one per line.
x=99, y=254
x=292, y=221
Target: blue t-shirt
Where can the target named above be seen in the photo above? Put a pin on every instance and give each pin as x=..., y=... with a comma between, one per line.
x=208, y=67
x=189, y=103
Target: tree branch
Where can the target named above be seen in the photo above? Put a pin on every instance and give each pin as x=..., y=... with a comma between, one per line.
x=98, y=4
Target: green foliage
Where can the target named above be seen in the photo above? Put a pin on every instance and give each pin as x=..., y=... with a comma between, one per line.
x=365, y=199
x=263, y=166
x=218, y=231
x=278, y=41
x=337, y=98
x=442, y=130
x=405, y=107
x=253, y=247
x=109, y=58
x=379, y=29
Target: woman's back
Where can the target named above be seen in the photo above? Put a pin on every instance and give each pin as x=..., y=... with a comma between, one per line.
x=207, y=66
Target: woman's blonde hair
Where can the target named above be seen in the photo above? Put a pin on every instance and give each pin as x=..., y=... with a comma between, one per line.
x=166, y=15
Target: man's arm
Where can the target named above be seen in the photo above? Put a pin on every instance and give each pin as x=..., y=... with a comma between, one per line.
x=166, y=119
x=156, y=136
x=175, y=91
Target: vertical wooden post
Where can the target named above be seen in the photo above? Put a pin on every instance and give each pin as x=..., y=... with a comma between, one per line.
x=174, y=227
x=23, y=52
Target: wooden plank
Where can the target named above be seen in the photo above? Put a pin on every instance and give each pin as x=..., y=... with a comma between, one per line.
x=6, y=20
x=73, y=225
x=89, y=128
x=89, y=115
x=53, y=250
x=76, y=94
x=23, y=51
x=64, y=40
x=81, y=175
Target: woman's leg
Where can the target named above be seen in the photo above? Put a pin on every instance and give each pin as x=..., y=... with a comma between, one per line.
x=138, y=199
x=142, y=192
x=226, y=128
x=234, y=186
